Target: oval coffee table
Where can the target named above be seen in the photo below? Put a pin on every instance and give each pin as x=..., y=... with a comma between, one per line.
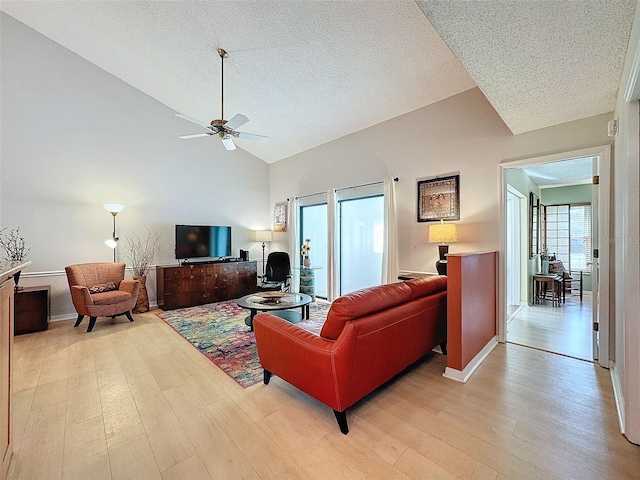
x=279, y=303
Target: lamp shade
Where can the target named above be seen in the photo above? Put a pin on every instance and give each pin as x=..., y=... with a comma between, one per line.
x=112, y=242
x=113, y=207
x=263, y=235
x=443, y=233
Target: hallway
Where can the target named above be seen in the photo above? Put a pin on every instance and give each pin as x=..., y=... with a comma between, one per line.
x=565, y=330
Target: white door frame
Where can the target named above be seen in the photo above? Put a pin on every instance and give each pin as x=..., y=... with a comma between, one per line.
x=603, y=152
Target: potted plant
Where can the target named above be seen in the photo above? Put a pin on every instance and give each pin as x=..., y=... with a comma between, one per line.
x=15, y=248
x=305, y=248
x=141, y=256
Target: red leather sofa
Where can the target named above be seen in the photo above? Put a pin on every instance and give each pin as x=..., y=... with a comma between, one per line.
x=368, y=337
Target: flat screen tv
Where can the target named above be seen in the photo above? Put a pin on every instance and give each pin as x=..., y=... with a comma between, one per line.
x=198, y=241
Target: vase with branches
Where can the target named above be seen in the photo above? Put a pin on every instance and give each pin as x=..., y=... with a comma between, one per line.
x=15, y=248
x=141, y=254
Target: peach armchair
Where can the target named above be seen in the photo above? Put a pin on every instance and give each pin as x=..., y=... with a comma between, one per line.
x=100, y=290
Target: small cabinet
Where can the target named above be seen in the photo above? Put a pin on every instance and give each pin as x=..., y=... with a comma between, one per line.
x=32, y=309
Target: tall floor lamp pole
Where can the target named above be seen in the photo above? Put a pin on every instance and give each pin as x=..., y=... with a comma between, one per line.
x=114, y=209
x=263, y=236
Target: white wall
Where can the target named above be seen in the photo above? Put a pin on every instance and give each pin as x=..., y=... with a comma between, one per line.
x=462, y=133
x=75, y=137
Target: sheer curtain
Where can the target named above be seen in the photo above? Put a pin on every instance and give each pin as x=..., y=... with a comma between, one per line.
x=294, y=240
x=333, y=247
x=390, y=247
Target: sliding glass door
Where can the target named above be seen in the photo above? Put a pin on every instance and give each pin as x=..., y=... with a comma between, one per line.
x=361, y=242
x=313, y=225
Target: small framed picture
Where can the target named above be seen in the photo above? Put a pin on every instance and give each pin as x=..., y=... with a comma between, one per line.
x=439, y=199
x=280, y=217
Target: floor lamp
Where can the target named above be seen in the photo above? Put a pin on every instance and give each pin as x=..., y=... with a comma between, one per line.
x=114, y=209
x=263, y=236
x=443, y=233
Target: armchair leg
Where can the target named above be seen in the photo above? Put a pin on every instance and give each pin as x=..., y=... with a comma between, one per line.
x=341, y=417
x=79, y=320
x=267, y=377
x=92, y=322
x=128, y=314
x=443, y=347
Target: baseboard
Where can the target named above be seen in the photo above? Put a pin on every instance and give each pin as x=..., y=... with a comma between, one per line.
x=617, y=394
x=464, y=375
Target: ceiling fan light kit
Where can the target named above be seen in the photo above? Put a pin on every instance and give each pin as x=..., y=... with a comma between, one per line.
x=220, y=127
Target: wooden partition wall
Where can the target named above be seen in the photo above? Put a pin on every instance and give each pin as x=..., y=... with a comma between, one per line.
x=471, y=311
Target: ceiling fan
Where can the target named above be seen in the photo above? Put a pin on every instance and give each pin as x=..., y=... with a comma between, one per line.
x=224, y=129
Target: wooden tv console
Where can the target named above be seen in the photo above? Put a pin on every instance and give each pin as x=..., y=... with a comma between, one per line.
x=196, y=284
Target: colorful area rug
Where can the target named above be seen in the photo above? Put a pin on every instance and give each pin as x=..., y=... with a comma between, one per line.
x=218, y=331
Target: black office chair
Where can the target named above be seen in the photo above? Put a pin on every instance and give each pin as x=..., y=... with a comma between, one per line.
x=278, y=273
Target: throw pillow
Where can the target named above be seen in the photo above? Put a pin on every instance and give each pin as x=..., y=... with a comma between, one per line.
x=103, y=287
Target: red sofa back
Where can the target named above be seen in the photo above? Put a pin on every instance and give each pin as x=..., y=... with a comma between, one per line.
x=396, y=324
x=377, y=332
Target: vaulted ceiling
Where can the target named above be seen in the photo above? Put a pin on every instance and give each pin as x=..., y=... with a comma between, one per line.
x=306, y=73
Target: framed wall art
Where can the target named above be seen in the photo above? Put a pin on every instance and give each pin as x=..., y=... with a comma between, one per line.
x=280, y=217
x=439, y=199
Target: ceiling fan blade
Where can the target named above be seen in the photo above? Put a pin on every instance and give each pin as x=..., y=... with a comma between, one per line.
x=228, y=143
x=254, y=137
x=237, y=121
x=193, y=120
x=196, y=135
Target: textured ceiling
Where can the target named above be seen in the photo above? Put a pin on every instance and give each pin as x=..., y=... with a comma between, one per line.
x=577, y=171
x=539, y=63
x=306, y=73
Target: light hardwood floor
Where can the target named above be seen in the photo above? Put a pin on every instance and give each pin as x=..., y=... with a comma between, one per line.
x=136, y=401
x=566, y=330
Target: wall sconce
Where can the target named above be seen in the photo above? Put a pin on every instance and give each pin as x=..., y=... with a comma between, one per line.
x=114, y=209
x=443, y=233
x=263, y=236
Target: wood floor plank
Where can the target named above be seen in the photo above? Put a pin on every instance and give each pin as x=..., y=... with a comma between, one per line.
x=133, y=459
x=192, y=468
x=85, y=451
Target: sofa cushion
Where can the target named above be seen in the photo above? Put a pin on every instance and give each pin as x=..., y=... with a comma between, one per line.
x=421, y=287
x=110, y=298
x=363, y=302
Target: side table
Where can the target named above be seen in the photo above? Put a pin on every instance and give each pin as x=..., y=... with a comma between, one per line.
x=32, y=309
x=308, y=281
x=543, y=281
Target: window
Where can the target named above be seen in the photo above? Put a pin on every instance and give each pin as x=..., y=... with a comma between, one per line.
x=567, y=233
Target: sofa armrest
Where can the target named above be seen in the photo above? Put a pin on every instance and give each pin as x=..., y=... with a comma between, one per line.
x=315, y=365
x=130, y=286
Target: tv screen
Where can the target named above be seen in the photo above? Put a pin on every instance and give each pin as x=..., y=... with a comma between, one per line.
x=197, y=241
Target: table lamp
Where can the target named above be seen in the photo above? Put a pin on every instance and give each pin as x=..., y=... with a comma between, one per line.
x=443, y=233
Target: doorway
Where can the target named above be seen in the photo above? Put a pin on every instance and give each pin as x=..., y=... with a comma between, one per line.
x=568, y=328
